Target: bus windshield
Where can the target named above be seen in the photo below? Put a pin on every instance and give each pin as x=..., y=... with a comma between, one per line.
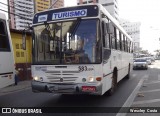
x=70, y=42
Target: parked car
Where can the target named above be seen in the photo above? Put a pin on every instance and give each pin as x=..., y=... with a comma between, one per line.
x=157, y=58
x=140, y=63
x=149, y=60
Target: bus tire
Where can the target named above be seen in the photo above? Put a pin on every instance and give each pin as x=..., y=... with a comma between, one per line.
x=114, y=83
x=128, y=75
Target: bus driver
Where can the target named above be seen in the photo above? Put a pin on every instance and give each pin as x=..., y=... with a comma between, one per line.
x=89, y=46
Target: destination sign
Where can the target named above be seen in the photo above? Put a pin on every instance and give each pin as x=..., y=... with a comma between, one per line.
x=42, y=18
x=66, y=13
x=69, y=14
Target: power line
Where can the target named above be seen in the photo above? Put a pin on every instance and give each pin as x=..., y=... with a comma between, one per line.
x=15, y=8
x=15, y=14
x=24, y=16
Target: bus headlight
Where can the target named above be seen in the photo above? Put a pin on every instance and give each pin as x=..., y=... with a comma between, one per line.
x=36, y=78
x=91, y=79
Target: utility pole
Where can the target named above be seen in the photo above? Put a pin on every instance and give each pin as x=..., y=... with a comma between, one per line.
x=9, y=17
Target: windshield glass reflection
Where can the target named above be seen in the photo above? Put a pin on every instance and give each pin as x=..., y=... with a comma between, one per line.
x=72, y=42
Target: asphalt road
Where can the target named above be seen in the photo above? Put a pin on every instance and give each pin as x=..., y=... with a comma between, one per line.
x=28, y=99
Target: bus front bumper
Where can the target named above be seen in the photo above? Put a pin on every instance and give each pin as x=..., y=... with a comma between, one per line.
x=78, y=88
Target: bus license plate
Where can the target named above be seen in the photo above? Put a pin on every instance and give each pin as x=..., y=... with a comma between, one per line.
x=89, y=88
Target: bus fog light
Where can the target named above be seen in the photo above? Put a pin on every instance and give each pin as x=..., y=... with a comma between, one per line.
x=41, y=78
x=35, y=78
x=98, y=78
x=91, y=79
x=84, y=80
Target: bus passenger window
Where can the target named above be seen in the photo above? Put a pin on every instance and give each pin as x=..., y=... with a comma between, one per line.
x=115, y=38
x=103, y=34
x=118, y=39
x=123, y=41
x=126, y=45
x=4, y=41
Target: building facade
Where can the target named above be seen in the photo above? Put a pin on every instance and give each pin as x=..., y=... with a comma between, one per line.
x=133, y=29
x=86, y=1
x=22, y=57
x=41, y=5
x=110, y=5
x=22, y=13
x=57, y=3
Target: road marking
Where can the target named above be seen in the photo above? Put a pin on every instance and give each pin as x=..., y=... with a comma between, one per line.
x=159, y=77
x=131, y=98
x=145, y=77
x=146, y=101
x=151, y=66
x=133, y=75
x=155, y=90
x=153, y=82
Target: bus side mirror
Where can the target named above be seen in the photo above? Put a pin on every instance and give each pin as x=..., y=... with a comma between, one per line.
x=24, y=40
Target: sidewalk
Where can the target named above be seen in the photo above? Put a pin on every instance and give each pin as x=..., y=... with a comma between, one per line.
x=14, y=88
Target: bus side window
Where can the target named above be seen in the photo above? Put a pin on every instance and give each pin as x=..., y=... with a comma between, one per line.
x=120, y=40
x=129, y=46
x=112, y=36
x=108, y=36
x=132, y=47
x=103, y=34
x=126, y=45
x=115, y=38
x=123, y=43
x=4, y=41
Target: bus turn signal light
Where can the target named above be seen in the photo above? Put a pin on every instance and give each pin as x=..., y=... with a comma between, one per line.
x=98, y=78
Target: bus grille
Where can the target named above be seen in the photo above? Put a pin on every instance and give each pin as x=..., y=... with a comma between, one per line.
x=61, y=76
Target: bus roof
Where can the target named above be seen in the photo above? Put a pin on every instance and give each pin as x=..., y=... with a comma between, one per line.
x=84, y=10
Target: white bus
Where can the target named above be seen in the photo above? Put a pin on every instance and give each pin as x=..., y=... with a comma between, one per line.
x=79, y=50
x=7, y=70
